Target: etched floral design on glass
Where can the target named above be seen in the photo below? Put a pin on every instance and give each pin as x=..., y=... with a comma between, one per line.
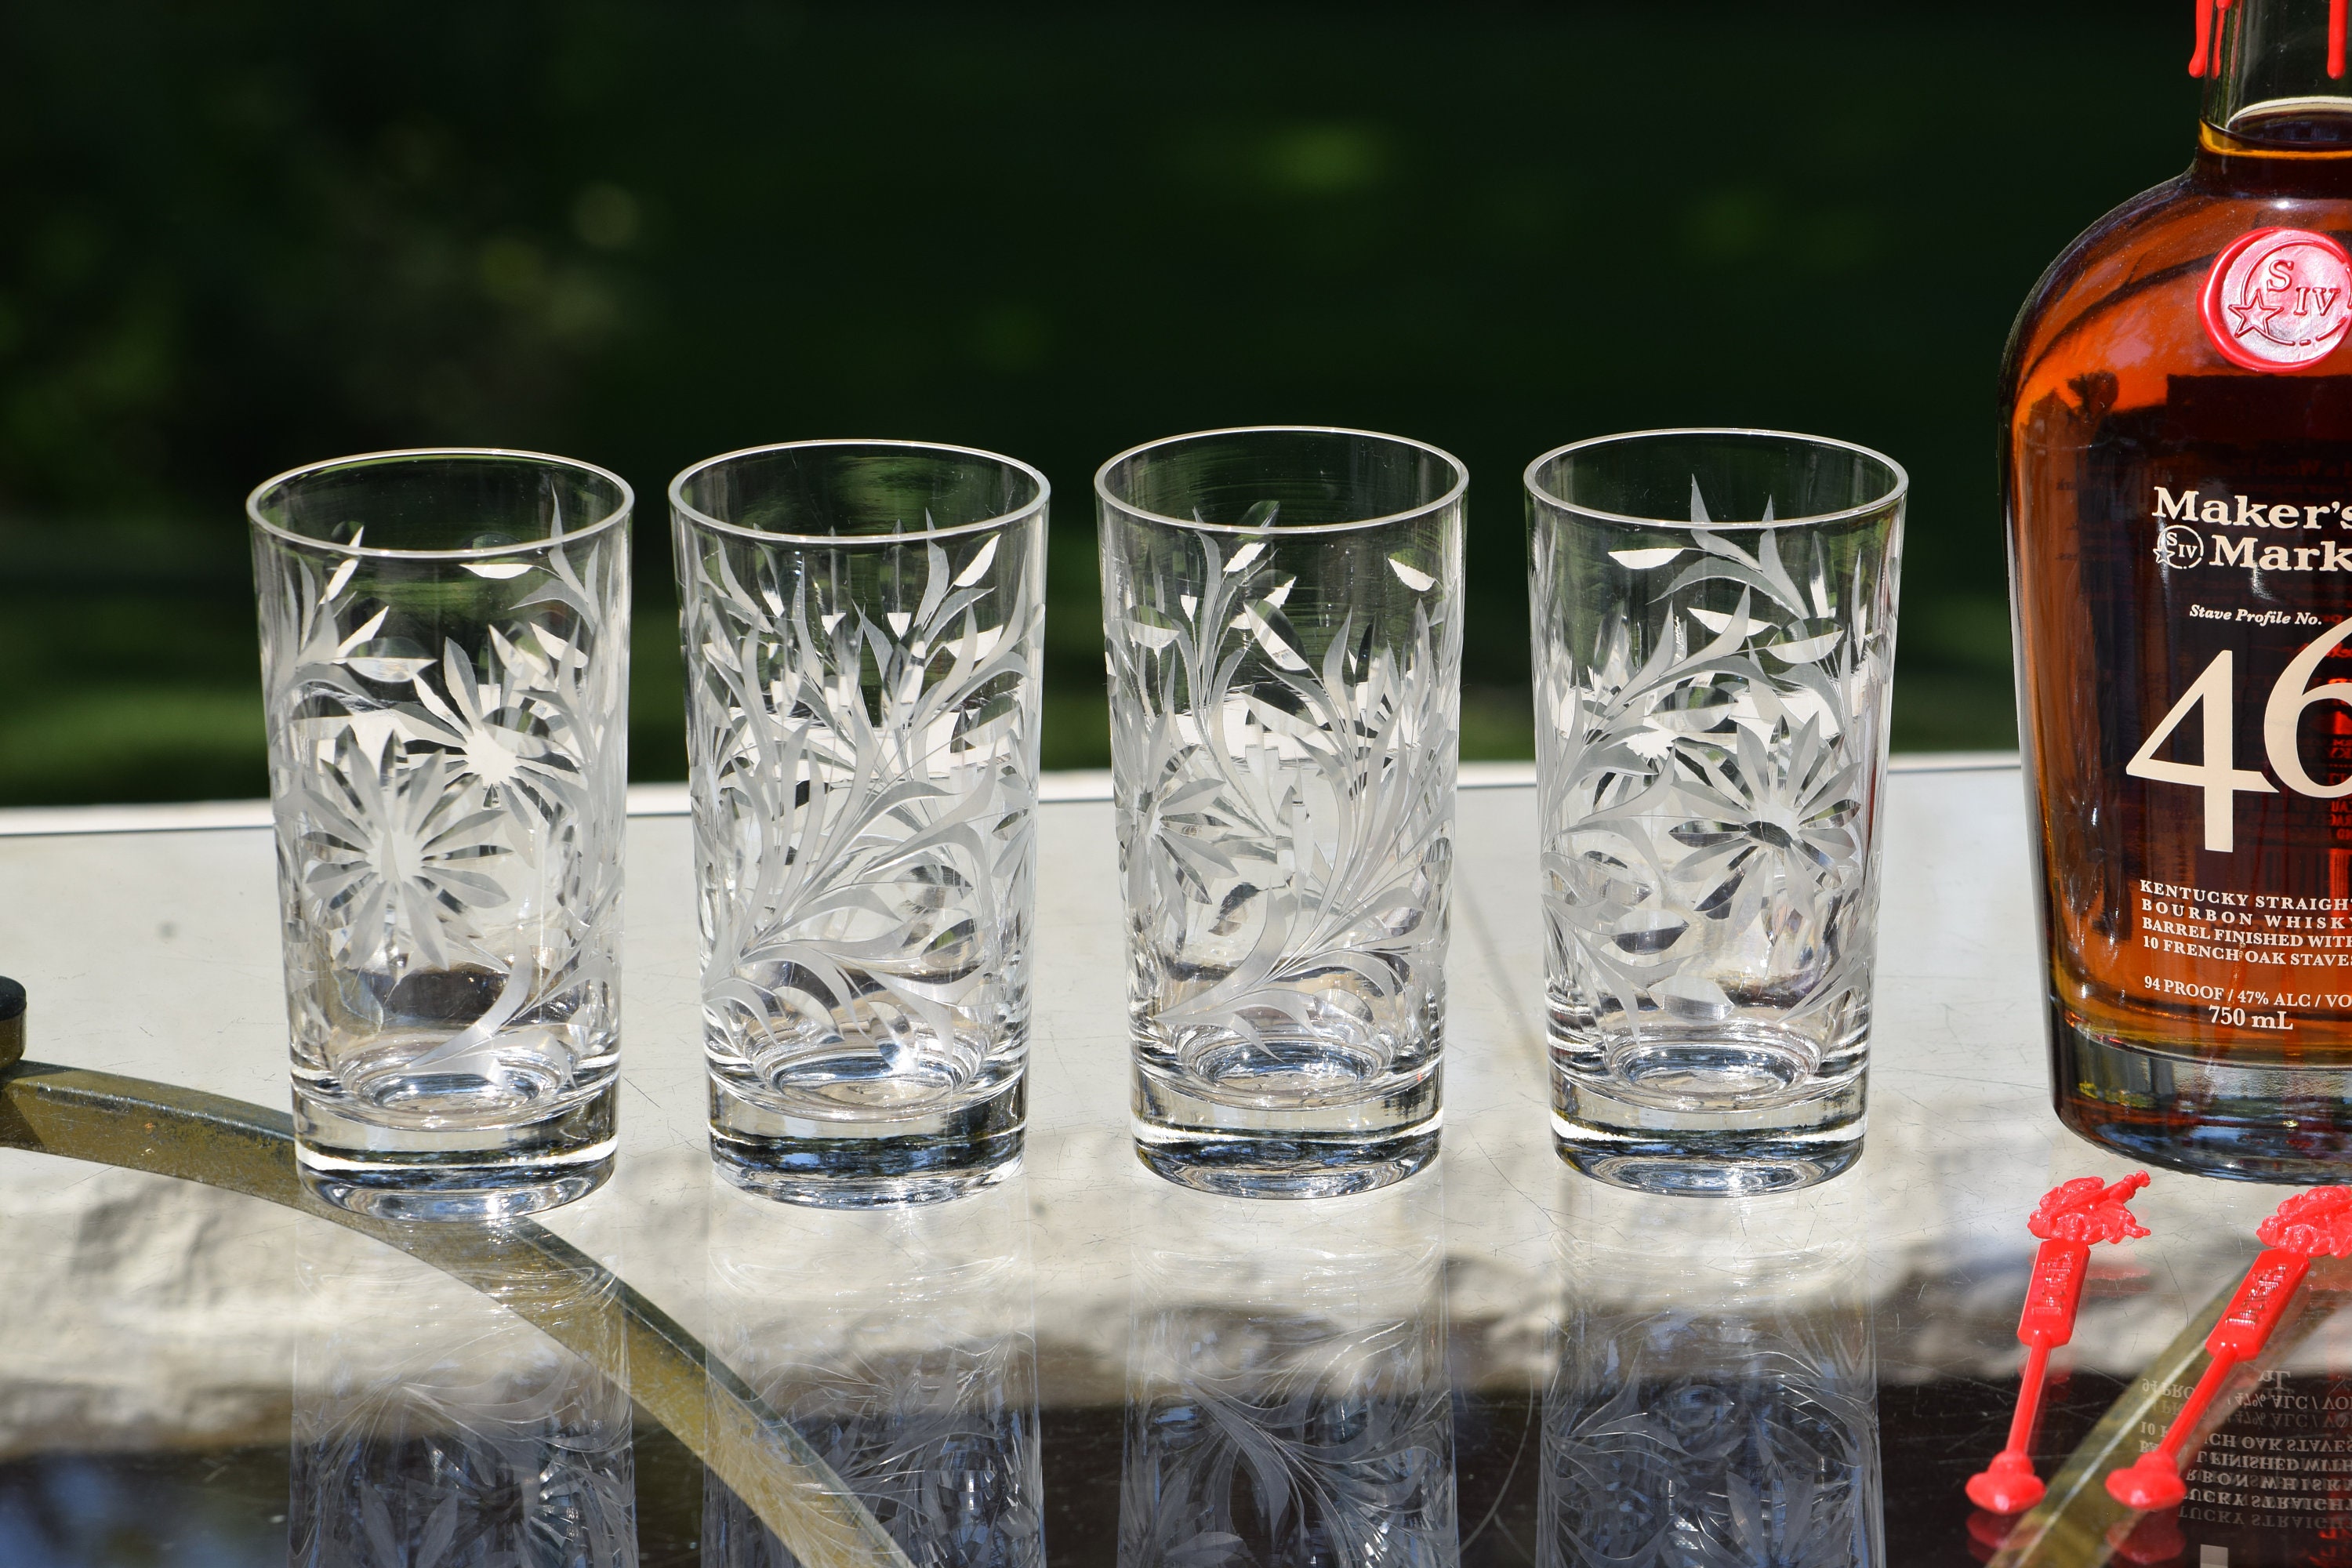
x=1282, y=612
x=862, y=624
x=438, y=1425
x=1288, y=1396
x=1711, y=736
x=445, y=659
x=897, y=1348
x=1714, y=1401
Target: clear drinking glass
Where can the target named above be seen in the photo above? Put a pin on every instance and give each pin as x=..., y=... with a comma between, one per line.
x=445, y=651
x=1282, y=612
x=861, y=623
x=1713, y=625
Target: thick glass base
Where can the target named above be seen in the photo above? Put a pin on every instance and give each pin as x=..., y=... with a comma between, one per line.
x=1735, y=1149
x=1739, y=1165
x=474, y=1174
x=873, y=1162
x=2248, y=1122
x=1260, y=1151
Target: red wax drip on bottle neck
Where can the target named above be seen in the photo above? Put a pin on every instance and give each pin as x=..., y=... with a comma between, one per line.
x=2206, y=61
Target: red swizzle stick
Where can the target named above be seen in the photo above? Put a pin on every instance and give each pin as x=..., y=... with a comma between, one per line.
x=2305, y=1226
x=2072, y=1216
x=2205, y=61
x=2202, y=60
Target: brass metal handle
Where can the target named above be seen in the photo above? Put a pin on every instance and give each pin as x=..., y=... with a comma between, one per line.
x=12, y=1022
x=142, y=1125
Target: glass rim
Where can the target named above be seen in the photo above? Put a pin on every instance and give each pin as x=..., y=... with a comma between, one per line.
x=1453, y=496
x=695, y=514
x=487, y=553
x=1894, y=495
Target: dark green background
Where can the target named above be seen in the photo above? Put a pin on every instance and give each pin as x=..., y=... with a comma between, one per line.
x=237, y=237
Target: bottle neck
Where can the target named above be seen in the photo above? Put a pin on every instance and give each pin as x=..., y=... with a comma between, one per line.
x=2274, y=75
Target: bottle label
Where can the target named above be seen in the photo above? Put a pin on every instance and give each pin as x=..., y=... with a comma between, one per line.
x=2241, y=737
x=2278, y=300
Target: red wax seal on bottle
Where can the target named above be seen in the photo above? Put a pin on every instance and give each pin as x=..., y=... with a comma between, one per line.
x=2278, y=299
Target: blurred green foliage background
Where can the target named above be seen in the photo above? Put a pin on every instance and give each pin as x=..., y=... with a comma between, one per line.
x=238, y=237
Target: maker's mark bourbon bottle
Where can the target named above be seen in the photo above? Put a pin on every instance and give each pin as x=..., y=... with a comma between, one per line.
x=2176, y=468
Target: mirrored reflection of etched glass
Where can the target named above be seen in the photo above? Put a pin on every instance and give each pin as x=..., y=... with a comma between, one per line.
x=1282, y=610
x=1715, y=1402
x=1288, y=1399
x=1714, y=622
x=435, y=1428
x=862, y=624
x=898, y=1345
x=444, y=643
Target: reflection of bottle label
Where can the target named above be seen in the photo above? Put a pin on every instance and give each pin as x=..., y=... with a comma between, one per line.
x=2274, y=1484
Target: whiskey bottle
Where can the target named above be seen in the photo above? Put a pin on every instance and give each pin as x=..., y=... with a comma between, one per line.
x=2177, y=472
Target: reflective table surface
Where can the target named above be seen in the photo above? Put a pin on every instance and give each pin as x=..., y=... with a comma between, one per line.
x=1495, y=1363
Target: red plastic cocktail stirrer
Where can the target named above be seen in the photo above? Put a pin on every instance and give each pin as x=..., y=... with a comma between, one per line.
x=2305, y=1226
x=2206, y=61
x=2072, y=1216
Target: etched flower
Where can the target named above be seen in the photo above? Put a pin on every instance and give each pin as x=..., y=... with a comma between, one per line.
x=395, y=858
x=499, y=735
x=1781, y=807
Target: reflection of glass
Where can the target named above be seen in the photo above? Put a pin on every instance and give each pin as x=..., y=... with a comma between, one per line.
x=445, y=652
x=862, y=622
x=898, y=1346
x=434, y=1427
x=1282, y=611
x=1711, y=734
x=1286, y=1393
x=1716, y=1396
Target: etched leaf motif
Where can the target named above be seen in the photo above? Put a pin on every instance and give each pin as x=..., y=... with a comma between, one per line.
x=1709, y=764
x=863, y=724
x=1286, y=826
x=900, y=1347
x=1732, y=1422
x=1288, y=1399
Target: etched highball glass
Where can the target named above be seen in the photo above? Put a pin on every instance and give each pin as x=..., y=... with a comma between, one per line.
x=861, y=623
x=1282, y=611
x=445, y=651
x=1713, y=624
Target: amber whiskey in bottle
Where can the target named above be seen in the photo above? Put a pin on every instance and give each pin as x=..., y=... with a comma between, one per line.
x=2177, y=472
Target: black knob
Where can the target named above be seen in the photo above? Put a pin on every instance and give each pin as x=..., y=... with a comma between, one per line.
x=12, y=1022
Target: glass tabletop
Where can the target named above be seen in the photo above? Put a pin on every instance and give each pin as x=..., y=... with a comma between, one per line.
x=1496, y=1361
